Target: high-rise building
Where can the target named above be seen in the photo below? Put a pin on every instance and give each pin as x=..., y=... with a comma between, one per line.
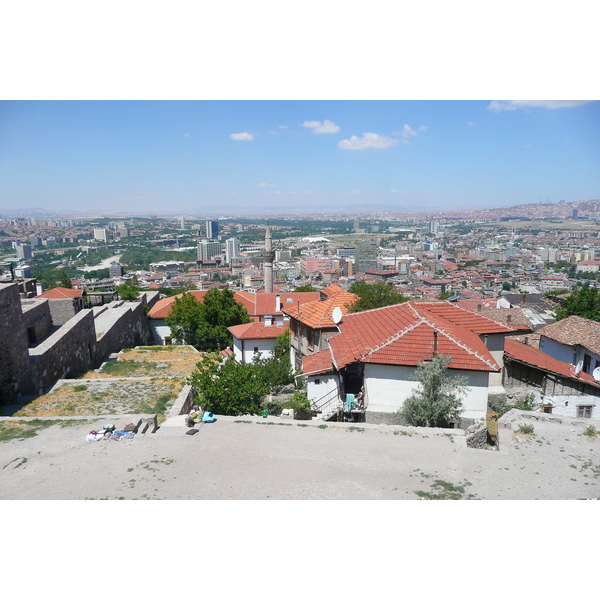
x=208, y=248
x=101, y=234
x=365, y=256
x=232, y=249
x=212, y=229
x=116, y=270
x=23, y=251
x=182, y=222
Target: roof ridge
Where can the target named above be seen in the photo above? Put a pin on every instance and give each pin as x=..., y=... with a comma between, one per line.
x=461, y=344
x=473, y=313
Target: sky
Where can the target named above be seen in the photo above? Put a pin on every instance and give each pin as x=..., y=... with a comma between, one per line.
x=200, y=157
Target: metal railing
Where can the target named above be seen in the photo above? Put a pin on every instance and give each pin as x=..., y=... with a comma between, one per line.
x=327, y=404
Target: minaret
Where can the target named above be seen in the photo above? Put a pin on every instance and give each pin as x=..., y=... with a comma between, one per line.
x=268, y=257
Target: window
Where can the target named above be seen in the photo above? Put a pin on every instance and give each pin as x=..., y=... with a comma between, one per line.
x=584, y=411
x=255, y=349
x=317, y=382
x=547, y=408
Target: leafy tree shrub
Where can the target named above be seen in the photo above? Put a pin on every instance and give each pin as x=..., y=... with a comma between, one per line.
x=204, y=324
x=232, y=388
x=526, y=402
x=229, y=387
x=437, y=400
x=128, y=292
x=300, y=404
x=374, y=295
x=585, y=302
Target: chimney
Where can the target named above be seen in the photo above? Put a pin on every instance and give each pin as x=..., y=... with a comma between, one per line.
x=524, y=298
x=278, y=303
x=508, y=319
x=479, y=307
x=435, y=343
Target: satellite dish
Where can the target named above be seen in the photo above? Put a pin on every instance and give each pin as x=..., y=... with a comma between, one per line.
x=579, y=367
x=337, y=315
x=596, y=373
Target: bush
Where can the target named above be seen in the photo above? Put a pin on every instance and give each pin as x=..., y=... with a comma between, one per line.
x=300, y=404
x=527, y=402
x=273, y=408
x=591, y=431
x=525, y=428
x=437, y=400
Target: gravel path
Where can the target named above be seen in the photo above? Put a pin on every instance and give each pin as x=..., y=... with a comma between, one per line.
x=243, y=458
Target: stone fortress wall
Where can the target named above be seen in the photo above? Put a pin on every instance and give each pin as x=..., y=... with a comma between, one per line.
x=35, y=353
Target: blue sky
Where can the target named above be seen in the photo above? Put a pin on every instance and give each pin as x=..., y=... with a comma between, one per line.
x=210, y=157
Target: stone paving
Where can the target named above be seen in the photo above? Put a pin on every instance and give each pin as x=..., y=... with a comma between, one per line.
x=278, y=458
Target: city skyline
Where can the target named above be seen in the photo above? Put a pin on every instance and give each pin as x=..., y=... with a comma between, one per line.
x=240, y=157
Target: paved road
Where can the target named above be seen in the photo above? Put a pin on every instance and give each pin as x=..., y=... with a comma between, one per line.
x=103, y=264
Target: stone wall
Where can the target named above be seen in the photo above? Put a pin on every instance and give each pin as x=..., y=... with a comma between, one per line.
x=476, y=435
x=80, y=344
x=380, y=418
x=14, y=355
x=63, y=309
x=121, y=325
x=70, y=349
x=36, y=319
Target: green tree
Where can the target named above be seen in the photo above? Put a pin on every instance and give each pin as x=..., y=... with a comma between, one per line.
x=584, y=302
x=306, y=288
x=437, y=401
x=374, y=295
x=204, y=324
x=228, y=387
x=65, y=280
x=128, y=292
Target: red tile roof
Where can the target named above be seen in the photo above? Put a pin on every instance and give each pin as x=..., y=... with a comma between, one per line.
x=255, y=331
x=573, y=331
x=403, y=334
x=332, y=290
x=475, y=322
x=255, y=304
x=163, y=307
x=318, y=315
x=317, y=363
x=529, y=355
x=60, y=293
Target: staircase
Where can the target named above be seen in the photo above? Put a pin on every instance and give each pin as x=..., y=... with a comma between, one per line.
x=327, y=406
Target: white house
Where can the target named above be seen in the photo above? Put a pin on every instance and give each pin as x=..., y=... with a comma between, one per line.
x=572, y=340
x=556, y=385
x=256, y=339
x=376, y=352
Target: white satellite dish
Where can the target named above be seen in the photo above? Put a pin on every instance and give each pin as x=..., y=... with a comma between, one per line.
x=337, y=314
x=579, y=367
x=596, y=373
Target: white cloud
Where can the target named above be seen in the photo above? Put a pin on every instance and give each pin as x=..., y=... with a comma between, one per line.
x=244, y=136
x=368, y=140
x=186, y=135
x=264, y=185
x=500, y=105
x=407, y=132
x=469, y=123
x=325, y=127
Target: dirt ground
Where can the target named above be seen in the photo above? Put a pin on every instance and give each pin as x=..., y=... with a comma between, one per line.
x=276, y=458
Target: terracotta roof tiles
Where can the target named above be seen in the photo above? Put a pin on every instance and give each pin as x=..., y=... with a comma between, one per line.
x=574, y=331
x=403, y=334
x=529, y=355
x=318, y=315
x=60, y=293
